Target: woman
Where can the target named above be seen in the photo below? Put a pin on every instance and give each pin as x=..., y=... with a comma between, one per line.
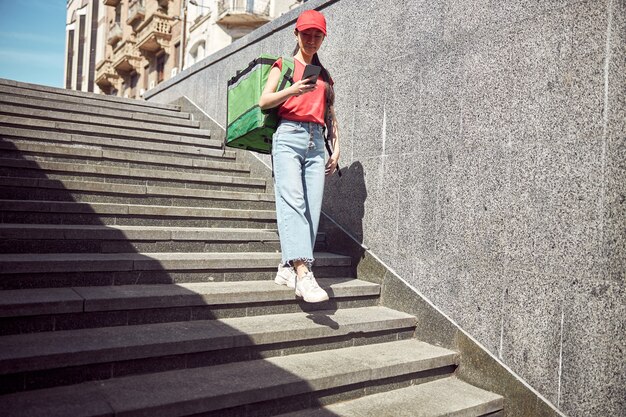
x=298, y=156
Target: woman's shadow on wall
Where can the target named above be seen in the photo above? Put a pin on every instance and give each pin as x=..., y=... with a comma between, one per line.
x=344, y=208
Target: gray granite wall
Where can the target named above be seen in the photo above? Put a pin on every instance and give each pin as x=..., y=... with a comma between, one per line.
x=484, y=154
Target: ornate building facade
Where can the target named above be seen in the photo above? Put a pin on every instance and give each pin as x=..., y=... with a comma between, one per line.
x=126, y=47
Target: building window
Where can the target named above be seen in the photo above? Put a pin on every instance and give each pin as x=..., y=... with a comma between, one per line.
x=118, y=12
x=146, y=77
x=81, y=52
x=70, y=59
x=196, y=53
x=92, y=47
x=177, y=55
x=203, y=7
x=160, y=67
x=134, y=80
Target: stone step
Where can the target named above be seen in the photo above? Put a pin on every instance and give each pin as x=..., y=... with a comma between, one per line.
x=78, y=153
x=99, y=123
x=66, y=212
x=446, y=397
x=17, y=135
x=56, y=270
x=15, y=96
x=103, y=127
x=57, y=309
x=289, y=378
x=119, y=262
x=56, y=301
x=21, y=168
x=90, y=99
x=47, y=351
x=45, y=238
x=133, y=233
x=84, y=191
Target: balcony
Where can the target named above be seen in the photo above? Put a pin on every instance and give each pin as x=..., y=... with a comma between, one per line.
x=243, y=13
x=110, y=2
x=106, y=76
x=115, y=33
x=155, y=33
x=126, y=57
x=136, y=12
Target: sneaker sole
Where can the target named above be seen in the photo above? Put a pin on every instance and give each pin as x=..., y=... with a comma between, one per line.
x=282, y=281
x=312, y=300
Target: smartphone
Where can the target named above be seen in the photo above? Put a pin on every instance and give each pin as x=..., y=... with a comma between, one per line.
x=311, y=71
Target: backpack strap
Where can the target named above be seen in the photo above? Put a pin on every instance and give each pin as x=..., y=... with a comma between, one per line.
x=286, y=73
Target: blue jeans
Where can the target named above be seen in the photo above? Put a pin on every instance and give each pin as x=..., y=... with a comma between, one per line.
x=298, y=153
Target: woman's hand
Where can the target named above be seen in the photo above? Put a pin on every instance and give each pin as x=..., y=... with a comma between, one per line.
x=331, y=165
x=272, y=98
x=302, y=87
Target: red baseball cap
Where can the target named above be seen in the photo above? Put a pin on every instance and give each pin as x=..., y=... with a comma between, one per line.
x=311, y=19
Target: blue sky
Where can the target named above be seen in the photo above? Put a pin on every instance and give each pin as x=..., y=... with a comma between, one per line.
x=32, y=41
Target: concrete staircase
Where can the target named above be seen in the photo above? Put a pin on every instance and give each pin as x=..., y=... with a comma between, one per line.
x=136, y=266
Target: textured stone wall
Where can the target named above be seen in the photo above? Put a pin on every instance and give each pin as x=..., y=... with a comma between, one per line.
x=484, y=154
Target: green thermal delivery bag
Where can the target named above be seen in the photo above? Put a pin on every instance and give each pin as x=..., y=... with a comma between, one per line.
x=249, y=127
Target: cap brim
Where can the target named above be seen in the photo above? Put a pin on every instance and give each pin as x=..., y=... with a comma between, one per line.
x=311, y=26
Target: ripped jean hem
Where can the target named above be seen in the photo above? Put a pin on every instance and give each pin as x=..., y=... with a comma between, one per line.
x=307, y=261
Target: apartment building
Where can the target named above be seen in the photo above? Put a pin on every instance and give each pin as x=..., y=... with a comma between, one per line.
x=126, y=47
x=213, y=24
x=81, y=44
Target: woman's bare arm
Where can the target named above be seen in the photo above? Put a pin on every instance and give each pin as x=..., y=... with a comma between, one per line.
x=271, y=98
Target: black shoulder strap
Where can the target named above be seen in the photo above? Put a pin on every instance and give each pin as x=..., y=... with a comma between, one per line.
x=288, y=71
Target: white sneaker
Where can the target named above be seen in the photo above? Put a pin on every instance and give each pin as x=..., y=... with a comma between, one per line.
x=286, y=275
x=307, y=288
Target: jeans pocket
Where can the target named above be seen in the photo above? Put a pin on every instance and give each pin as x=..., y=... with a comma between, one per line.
x=288, y=127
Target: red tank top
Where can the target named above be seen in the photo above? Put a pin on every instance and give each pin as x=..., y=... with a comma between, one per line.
x=309, y=107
